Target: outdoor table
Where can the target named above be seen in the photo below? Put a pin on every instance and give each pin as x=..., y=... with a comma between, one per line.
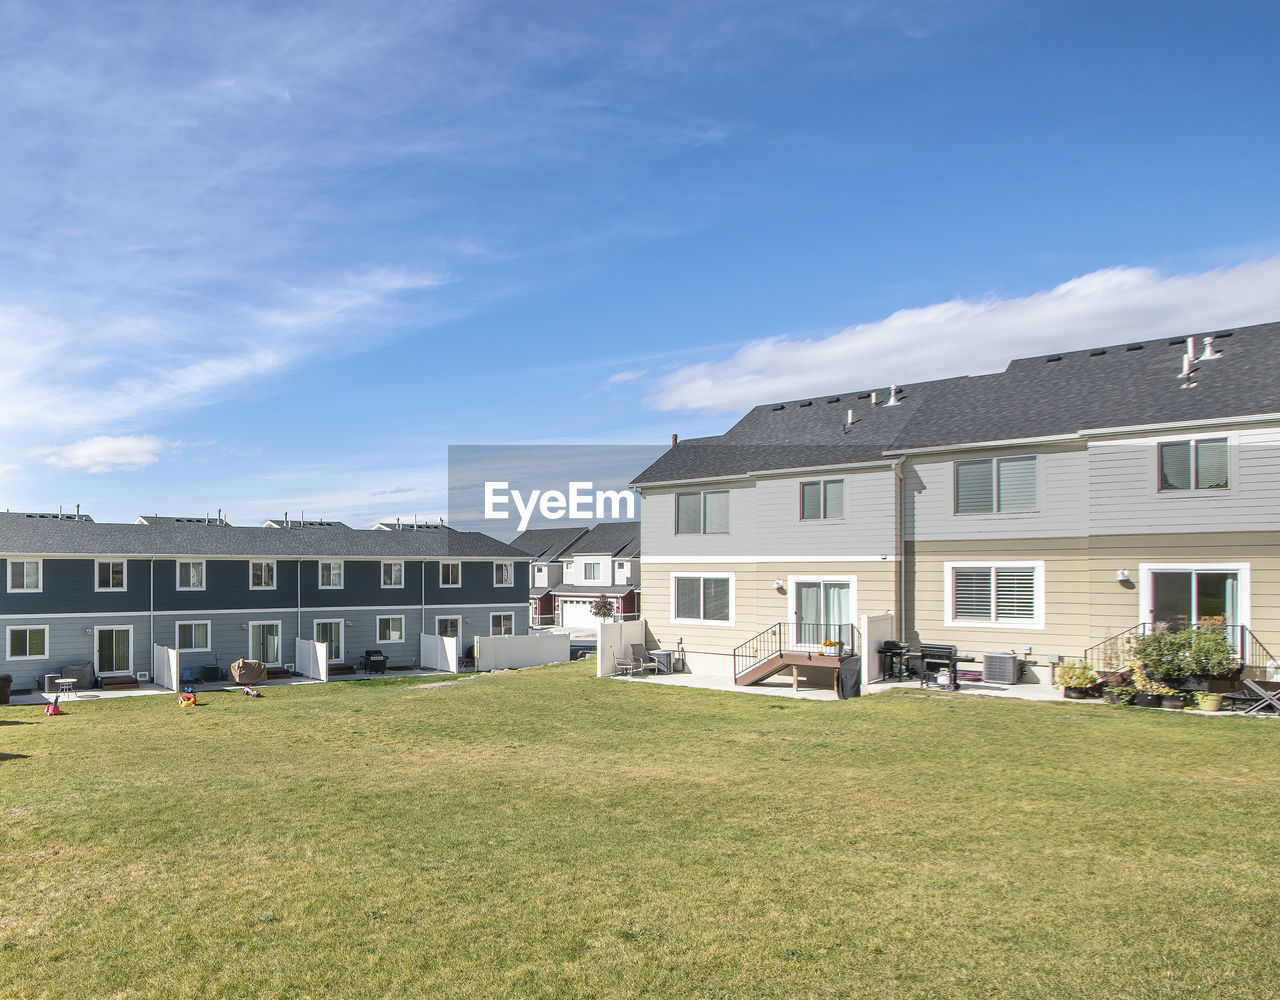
x=66, y=686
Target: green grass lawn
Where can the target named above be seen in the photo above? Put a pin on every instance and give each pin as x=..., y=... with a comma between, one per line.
x=547, y=834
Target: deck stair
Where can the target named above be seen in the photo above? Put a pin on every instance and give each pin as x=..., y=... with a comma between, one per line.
x=794, y=646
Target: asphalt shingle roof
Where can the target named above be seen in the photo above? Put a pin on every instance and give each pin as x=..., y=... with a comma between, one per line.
x=24, y=534
x=611, y=538
x=546, y=544
x=1117, y=386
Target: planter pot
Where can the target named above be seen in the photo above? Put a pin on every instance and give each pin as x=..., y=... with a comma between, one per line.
x=1214, y=685
x=1147, y=700
x=1117, y=698
x=1075, y=694
x=1211, y=702
x=1173, y=701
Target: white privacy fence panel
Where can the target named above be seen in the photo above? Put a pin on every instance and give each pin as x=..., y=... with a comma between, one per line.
x=312, y=659
x=875, y=630
x=164, y=667
x=499, y=652
x=439, y=652
x=615, y=639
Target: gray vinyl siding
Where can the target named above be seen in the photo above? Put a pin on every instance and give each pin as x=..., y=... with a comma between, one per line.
x=764, y=521
x=1124, y=498
x=929, y=502
x=69, y=645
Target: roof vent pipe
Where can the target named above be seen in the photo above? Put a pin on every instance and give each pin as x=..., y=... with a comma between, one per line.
x=674, y=438
x=848, y=417
x=893, y=396
x=1191, y=347
x=77, y=512
x=875, y=398
x=1209, y=353
x=59, y=512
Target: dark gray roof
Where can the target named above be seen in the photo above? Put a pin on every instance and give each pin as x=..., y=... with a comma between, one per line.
x=546, y=544
x=609, y=538
x=1118, y=386
x=581, y=590
x=26, y=534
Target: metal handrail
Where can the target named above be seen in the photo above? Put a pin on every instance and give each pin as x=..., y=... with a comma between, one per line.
x=1109, y=655
x=812, y=637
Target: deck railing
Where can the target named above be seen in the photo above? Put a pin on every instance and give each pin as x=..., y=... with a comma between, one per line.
x=1116, y=653
x=794, y=637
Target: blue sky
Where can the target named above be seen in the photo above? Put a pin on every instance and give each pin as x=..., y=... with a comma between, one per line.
x=279, y=257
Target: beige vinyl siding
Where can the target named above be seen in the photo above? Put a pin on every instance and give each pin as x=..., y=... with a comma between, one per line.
x=764, y=520
x=1124, y=498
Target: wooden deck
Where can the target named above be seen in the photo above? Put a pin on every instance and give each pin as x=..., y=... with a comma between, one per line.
x=796, y=660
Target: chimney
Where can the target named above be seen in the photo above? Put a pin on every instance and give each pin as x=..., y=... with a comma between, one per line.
x=674, y=439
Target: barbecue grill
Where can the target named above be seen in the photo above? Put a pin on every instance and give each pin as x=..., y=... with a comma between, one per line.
x=375, y=661
x=894, y=658
x=939, y=661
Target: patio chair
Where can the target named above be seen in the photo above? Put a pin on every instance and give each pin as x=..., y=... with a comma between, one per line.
x=641, y=659
x=1268, y=693
x=623, y=665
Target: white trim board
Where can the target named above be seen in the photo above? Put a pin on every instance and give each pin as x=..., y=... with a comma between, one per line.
x=737, y=560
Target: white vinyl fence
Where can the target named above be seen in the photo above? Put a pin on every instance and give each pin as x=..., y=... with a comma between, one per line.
x=164, y=667
x=312, y=659
x=439, y=652
x=499, y=652
x=615, y=639
x=875, y=630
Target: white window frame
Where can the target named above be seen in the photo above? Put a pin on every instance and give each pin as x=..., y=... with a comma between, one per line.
x=1244, y=582
x=457, y=564
x=177, y=573
x=377, y=630
x=274, y=570
x=279, y=637
x=733, y=592
x=97, y=667
x=382, y=574
x=1195, y=490
x=8, y=632
x=450, y=618
x=502, y=614
x=342, y=631
x=599, y=566
x=342, y=574
x=208, y=636
x=949, y=594
x=8, y=576
x=124, y=576
x=510, y=574
x=702, y=511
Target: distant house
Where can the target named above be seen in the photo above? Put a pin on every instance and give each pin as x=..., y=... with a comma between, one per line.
x=605, y=562
x=546, y=572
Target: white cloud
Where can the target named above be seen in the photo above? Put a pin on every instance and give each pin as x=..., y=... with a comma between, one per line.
x=963, y=337
x=619, y=377
x=95, y=455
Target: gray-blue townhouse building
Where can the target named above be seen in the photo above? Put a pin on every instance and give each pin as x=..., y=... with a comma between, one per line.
x=79, y=591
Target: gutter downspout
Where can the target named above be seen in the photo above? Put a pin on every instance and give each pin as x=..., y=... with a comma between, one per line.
x=898, y=531
x=151, y=614
x=297, y=589
x=422, y=567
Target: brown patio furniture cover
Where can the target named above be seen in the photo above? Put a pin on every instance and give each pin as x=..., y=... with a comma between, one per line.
x=248, y=672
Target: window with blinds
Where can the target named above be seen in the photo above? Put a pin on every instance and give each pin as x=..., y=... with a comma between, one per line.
x=705, y=513
x=994, y=593
x=1199, y=464
x=997, y=486
x=702, y=598
x=822, y=499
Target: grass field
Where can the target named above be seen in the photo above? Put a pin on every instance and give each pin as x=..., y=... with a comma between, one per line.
x=546, y=834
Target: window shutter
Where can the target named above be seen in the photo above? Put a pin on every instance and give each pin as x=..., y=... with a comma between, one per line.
x=688, y=597
x=1175, y=465
x=833, y=498
x=973, y=593
x=688, y=513
x=1211, y=464
x=1016, y=483
x=715, y=518
x=715, y=598
x=974, y=487
x=1016, y=593
x=810, y=501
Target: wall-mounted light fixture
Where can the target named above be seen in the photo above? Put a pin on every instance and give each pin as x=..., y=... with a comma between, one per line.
x=778, y=585
x=88, y=630
x=1122, y=575
x=244, y=627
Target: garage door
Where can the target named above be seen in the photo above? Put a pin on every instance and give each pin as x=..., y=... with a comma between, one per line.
x=577, y=614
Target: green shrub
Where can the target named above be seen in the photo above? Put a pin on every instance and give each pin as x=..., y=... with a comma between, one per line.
x=1074, y=674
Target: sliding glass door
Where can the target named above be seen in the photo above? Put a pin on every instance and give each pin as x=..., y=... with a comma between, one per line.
x=823, y=610
x=113, y=649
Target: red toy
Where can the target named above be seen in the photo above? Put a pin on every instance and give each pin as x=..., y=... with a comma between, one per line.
x=53, y=709
x=187, y=700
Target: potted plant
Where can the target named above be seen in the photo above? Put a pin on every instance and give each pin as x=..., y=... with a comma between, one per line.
x=1209, y=701
x=1121, y=694
x=1075, y=678
x=1212, y=662
x=1147, y=690
x=1165, y=653
x=1172, y=698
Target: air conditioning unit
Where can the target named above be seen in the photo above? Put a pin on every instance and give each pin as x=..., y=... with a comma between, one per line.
x=1000, y=668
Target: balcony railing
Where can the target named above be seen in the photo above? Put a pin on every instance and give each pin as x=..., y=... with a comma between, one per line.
x=803, y=637
x=1116, y=653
